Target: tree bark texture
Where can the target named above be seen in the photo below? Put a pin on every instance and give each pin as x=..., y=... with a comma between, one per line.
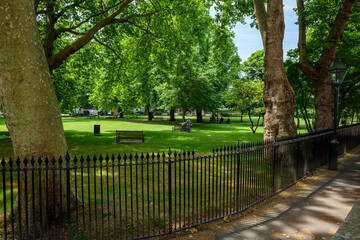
x=184, y=110
x=31, y=110
x=172, y=115
x=199, y=117
x=150, y=116
x=318, y=72
x=278, y=94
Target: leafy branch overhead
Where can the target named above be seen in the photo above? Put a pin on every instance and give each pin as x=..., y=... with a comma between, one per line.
x=66, y=28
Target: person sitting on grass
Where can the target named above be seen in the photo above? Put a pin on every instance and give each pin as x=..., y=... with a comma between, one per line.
x=228, y=121
x=221, y=120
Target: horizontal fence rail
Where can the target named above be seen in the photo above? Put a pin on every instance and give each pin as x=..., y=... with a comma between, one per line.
x=142, y=195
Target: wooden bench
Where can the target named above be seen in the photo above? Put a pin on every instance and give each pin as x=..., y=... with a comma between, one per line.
x=176, y=128
x=129, y=135
x=159, y=118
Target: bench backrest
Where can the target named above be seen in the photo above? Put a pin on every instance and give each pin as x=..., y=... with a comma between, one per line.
x=129, y=133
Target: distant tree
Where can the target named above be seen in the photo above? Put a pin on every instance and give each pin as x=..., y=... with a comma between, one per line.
x=253, y=67
x=203, y=61
x=247, y=96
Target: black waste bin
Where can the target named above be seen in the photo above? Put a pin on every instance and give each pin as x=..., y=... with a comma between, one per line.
x=97, y=130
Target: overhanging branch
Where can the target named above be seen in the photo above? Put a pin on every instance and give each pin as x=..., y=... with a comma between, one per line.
x=61, y=30
x=107, y=46
x=64, y=9
x=336, y=33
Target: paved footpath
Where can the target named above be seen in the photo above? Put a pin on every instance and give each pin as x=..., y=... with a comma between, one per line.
x=316, y=213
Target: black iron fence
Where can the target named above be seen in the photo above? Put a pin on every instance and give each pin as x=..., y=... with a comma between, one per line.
x=138, y=196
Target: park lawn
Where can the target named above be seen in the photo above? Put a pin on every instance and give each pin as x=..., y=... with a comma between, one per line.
x=80, y=137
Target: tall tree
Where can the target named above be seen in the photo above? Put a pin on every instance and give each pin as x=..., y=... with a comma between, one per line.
x=253, y=67
x=331, y=18
x=349, y=89
x=30, y=105
x=26, y=88
x=278, y=94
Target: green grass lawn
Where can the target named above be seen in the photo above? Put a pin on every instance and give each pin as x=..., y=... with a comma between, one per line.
x=158, y=135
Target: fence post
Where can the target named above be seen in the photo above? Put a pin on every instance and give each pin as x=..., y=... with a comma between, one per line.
x=298, y=154
x=274, y=163
x=170, y=193
x=3, y=163
x=67, y=158
x=238, y=178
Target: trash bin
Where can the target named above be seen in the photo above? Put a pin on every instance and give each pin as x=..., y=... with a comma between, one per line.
x=97, y=130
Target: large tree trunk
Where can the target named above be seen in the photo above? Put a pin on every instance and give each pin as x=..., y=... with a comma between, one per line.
x=30, y=107
x=297, y=118
x=199, y=117
x=184, y=110
x=324, y=101
x=150, y=116
x=317, y=73
x=278, y=94
x=172, y=115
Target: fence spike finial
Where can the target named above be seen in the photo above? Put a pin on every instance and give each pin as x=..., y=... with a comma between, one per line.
x=11, y=162
x=46, y=161
x=136, y=157
x=153, y=156
x=32, y=161
x=67, y=156
x=18, y=162
x=142, y=157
